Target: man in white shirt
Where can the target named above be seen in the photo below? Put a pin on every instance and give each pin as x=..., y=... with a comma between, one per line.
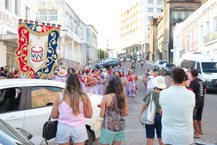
x=177, y=103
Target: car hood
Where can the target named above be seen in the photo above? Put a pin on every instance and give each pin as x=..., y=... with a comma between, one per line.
x=95, y=101
x=208, y=76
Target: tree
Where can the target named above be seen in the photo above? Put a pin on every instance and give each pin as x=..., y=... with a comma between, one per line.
x=101, y=54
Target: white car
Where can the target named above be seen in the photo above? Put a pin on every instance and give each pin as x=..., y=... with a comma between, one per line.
x=27, y=103
x=158, y=64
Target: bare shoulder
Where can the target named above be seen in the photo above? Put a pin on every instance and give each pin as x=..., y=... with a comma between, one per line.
x=107, y=96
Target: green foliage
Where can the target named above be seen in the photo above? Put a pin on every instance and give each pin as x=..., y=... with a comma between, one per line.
x=101, y=53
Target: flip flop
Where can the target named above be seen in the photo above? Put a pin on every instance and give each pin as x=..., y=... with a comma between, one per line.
x=198, y=137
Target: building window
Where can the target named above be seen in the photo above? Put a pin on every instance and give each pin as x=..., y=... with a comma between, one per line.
x=150, y=9
x=159, y=10
x=149, y=18
x=159, y=2
x=52, y=15
x=207, y=27
x=201, y=31
x=16, y=7
x=10, y=56
x=215, y=23
x=150, y=1
x=7, y=4
x=45, y=15
x=27, y=13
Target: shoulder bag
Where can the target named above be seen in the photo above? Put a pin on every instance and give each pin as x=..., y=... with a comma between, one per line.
x=50, y=127
x=148, y=115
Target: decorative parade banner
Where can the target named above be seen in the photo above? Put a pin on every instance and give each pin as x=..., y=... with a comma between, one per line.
x=37, y=48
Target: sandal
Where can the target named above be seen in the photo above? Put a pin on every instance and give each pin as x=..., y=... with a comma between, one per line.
x=197, y=136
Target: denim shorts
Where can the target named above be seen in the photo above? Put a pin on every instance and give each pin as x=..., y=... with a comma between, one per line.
x=150, y=129
x=108, y=136
x=65, y=133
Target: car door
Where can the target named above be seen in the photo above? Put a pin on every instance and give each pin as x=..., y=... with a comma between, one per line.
x=39, y=104
x=12, y=105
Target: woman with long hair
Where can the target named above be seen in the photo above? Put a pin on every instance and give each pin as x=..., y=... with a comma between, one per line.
x=114, y=108
x=70, y=109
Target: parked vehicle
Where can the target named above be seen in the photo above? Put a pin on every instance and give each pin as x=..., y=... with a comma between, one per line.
x=109, y=62
x=27, y=103
x=167, y=68
x=10, y=135
x=100, y=64
x=206, y=66
x=158, y=64
x=113, y=58
x=128, y=59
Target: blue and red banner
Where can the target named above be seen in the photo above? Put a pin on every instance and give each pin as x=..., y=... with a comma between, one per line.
x=37, y=48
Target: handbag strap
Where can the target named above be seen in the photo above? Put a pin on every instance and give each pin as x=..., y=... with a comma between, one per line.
x=151, y=96
x=61, y=97
x=49, y=119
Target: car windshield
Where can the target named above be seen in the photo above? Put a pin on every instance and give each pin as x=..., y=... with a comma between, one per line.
x=169, y=65
x=209, y=67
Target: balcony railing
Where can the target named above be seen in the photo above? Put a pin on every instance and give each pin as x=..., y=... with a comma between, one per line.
x=210, y=37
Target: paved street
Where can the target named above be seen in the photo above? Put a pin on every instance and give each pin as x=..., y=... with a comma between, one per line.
x=135, y=132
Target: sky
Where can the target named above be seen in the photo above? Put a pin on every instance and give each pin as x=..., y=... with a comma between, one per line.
x=104, y=15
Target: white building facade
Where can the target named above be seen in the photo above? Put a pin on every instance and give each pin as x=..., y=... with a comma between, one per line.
x=73, y=37
x=135, y=25
x=91, y=41
x=10, y=12
x=197, y=33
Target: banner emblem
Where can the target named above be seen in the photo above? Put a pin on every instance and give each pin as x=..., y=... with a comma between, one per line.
x=37, y=48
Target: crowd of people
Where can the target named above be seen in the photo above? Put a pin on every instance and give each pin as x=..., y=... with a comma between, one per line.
x=179, y=107
x=95, y=80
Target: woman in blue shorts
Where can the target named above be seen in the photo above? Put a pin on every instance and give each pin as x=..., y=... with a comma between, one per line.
x=159, y=84
x=113, y=109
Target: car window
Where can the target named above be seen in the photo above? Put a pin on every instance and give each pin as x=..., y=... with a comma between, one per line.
x=209, y=67
x=169, y=65
x=43, y=96
x=188, y=64
x=162, y=62
x=9, y=99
